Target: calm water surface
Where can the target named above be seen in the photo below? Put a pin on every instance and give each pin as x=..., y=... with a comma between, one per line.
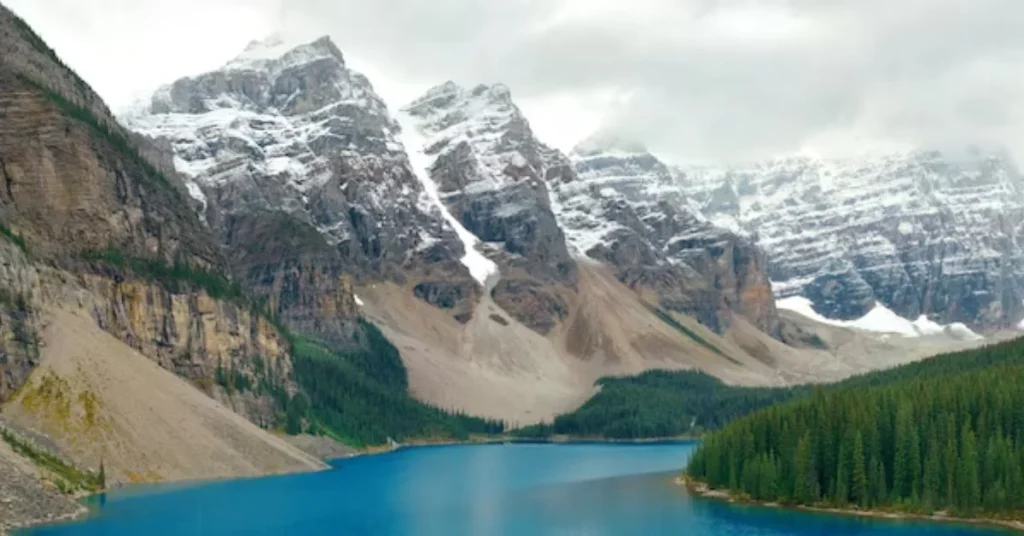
x=583, y=489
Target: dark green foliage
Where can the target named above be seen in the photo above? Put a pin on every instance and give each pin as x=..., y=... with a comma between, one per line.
x=14, y=238
x=379, y=359
x=661, y=404
x=947, y=434
x=667, y=318
x=171, y=276
x=359, y=396
x=68, y=477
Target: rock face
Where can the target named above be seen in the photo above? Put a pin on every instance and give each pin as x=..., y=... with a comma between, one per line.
x=490, y=172
x=624, y=208
x=922, y=232
x=294, y=161
x=77, y=192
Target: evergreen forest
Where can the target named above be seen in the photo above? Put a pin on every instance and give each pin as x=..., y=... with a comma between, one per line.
x=945, y=434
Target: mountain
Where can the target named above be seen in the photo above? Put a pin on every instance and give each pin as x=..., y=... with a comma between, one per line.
x=297, y=167
x=922, y=233
x=623, y=207
x=490, y=171
x=508, y=275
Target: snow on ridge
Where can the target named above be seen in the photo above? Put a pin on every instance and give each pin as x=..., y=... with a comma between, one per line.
x=450, y=116
x=480, y=267
x=880, y=319
x=277, y=53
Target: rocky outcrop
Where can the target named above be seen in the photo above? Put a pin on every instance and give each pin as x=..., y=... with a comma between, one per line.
x=294, y=161
x=71, y=180
x=19, y=319
x=924, y=233
x=623, y=208
x=93, y=220
x=839, y=292
x=490, y=173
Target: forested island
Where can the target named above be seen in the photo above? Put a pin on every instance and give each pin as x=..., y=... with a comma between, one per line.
x=945, y=435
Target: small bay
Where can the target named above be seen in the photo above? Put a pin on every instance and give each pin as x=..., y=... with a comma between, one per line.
x=520, y=489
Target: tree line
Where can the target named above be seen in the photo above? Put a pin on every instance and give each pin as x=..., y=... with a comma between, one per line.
x=661, y=404
x=946, y=435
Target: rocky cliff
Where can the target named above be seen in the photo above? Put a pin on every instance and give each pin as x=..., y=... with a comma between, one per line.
x=923, y=233
x=296, y=166
x=90, y=221
x=490, y=173
x=623, y=207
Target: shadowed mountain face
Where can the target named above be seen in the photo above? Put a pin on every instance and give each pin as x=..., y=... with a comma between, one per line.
x=929, y=233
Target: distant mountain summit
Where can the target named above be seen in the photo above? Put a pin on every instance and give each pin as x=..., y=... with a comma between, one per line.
x=922, y=232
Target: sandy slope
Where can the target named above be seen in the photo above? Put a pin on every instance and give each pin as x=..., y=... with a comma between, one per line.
x=505, y=370
x=98, y=398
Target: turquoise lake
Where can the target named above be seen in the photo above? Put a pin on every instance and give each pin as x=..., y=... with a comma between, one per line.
x=577, y=489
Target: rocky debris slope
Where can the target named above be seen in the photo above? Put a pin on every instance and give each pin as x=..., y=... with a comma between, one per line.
x=25, y=497
x=490, y=173
x=100, y=400
x=296, y=166
x=622, y=206
x=924, y=233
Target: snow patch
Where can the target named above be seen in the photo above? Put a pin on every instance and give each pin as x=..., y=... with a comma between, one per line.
x=926, y=326
x=905, y=227
x=961, y=331
x=880, y=319
x=480, y=267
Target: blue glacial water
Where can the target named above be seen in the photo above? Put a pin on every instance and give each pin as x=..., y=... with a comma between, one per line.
x=578, y=489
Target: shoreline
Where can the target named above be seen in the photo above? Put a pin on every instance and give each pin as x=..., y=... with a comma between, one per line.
x=701, y=490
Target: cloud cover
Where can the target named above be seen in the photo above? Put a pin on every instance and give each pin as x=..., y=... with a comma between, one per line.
x=697, y=80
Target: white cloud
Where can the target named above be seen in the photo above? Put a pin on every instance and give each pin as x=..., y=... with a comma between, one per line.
x=708, y=79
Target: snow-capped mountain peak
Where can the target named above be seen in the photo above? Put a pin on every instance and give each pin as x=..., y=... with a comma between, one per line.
x=922, y=232
x=484, y=123
x=277, y=53
x=287, y=127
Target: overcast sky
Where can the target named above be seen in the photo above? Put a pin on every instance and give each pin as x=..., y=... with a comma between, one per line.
x=697, y=80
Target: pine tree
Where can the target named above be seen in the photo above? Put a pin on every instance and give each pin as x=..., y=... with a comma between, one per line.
x=903, y=461
x=932, y=482
x=859, y=478
x=951, y=460
x=879, y=491
x=805, y=483
x=841, y=492
x=967, y=484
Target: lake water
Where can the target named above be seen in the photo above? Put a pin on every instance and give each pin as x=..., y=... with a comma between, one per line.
x=579, y=489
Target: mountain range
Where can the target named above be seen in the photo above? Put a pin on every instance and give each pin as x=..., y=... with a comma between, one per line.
x=512, y=275
x=226, y=243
